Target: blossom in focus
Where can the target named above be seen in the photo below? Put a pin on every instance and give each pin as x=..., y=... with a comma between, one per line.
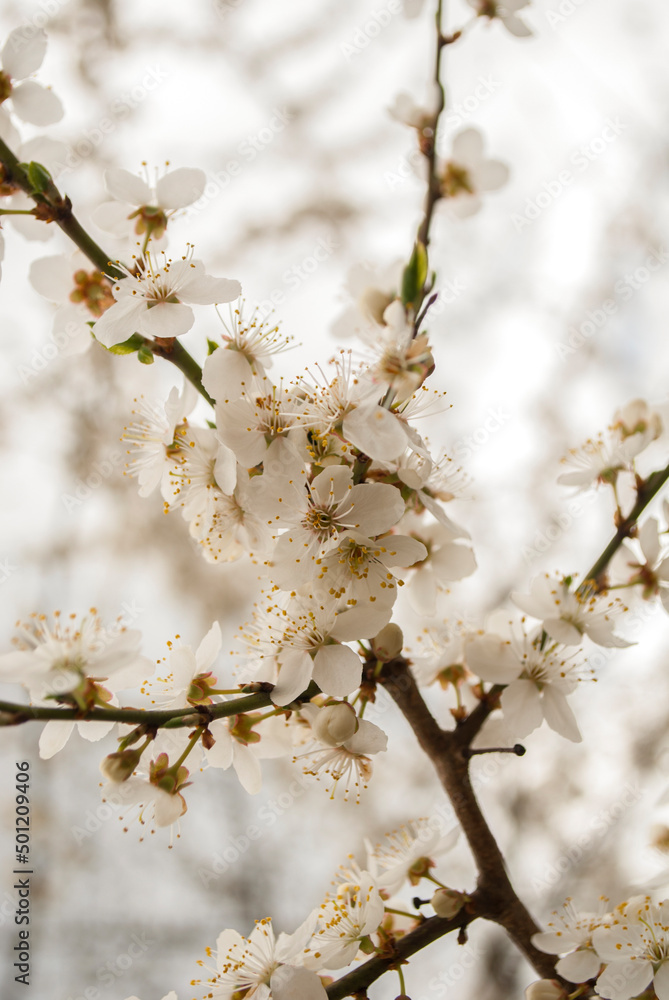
x=652, y=575
x=152, y=204
x=538, y=682
x=466, y=175
x=248, y=349
x=633, y=941
x=504, y=11
x=345, y=759
x=263, y=966
x=570, y=934
x=151, y=436
x=153, y=302
x=344, y=922
x=408, y=853
x=567, y=615
x=21, y=56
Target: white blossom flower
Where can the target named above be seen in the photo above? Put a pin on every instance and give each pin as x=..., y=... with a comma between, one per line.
x=371, y=290
x=316, y=513
x=634, y=944
x=359, y=568
x=152, y=204
x=466, y=175
x=445, y=562
x=598, y=461
x=227, y=525
x=638, y=424
x=261, y=966
x=263, y=425
x=149, y=803
x=567, y=615
x=538, y=681
x=21, y=56
x=57, y=658
x=652, y=575
x=247, y=352
x=408, y=853
x=151, y=436
x=401, y=361
x=344, y=922
x=504, y=11
x=201, y=466
x=345, y=759
x=299, y=639
x=82, y=295
x=405, y=110
x=570, y=934
x=153, y=302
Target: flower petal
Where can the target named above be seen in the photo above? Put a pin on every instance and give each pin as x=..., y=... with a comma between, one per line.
x=180, y=187
x=36, y=104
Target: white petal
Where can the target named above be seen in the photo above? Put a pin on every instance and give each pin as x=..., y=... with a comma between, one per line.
x=296, y=983
x=209, y=648
x=226, y=374
x=559, y=716
x=180, y=187
x=127, y=187
x=622, y=980
x=53, y=737
x=112, y=217
x=491, y=176
x=563, y=631
x=468, y=147
x=453, y=562
x=579, y=966
x=23, y=52
x=36, y=104
x=373, y=508
x=294, y=676
x=220, y=755
x=649, y=540
x=119, y=322
x=521, y=707
x=337, y=670
x=247, y=768
x=375, y=432
x=369, y=738
x=492, y=659
x=52, y=277
x=516, y=27
x=167, y=319
x=206, y=290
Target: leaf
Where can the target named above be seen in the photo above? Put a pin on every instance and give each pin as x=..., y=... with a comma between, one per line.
x=128, y=346
x=145, y=355
x=415, y=273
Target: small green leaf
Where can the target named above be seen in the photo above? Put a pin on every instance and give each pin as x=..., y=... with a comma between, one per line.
x=211, y=346
x=128, y=346
x=145, y=355
x=39, y=177
x=414, y=276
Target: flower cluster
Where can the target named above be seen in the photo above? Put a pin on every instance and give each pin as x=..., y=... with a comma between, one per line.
x=625, y=949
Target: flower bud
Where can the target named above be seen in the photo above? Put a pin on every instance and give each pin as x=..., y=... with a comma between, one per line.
x=388, y=643
x=448, y=902
x=118, y=767
x=335, y=724
x=545, y=989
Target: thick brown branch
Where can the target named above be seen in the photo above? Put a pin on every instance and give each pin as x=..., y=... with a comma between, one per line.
x=447, y=751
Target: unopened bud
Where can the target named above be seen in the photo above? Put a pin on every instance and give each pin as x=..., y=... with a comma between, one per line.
x=448, y=902
x=388, y=643
x=118, y=767
x=335, y=724
x=545, y=989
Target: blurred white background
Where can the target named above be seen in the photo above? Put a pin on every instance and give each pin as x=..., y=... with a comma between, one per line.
x=514, y=294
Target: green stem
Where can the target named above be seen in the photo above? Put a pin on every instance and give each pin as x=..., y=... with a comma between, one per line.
x=646, y=492
x=192, y=740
